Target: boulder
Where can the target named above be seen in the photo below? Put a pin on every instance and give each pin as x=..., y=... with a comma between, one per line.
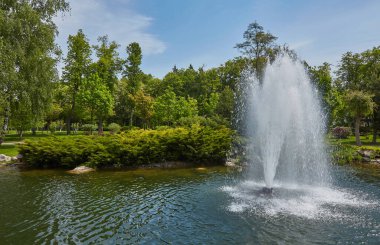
x=365, y=153
x=4, y=158
x=81, y=170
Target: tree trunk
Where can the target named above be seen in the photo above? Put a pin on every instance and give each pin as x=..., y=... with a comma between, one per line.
x=100, y=126
x=20, y=133
x=4, y=129
x=357, y=133
x=70, y=117
x=131, y=119
x=376, y=120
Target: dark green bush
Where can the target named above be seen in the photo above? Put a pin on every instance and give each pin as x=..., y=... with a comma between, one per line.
x=135, y=147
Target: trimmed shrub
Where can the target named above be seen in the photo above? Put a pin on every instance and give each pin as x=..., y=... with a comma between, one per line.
x=341, y=132
x=114, y=128
x=132, y=148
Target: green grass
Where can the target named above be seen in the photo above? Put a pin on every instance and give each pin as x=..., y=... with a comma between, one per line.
x=9, y=147
x=9, y=150
x=366, y=142
x=13, y=137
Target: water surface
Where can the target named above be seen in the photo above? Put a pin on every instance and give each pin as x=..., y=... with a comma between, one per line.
x=186, y=206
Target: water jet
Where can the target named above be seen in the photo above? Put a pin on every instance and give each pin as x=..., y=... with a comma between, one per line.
x=286, y=126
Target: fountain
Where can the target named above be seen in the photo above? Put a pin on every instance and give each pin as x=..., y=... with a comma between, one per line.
x=286, y=127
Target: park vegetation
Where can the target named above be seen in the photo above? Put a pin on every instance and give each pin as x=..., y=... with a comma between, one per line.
x=113, y=93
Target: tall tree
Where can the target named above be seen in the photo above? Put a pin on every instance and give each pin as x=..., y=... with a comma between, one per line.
x=133, y=74
x=257, y=46
x=77, y=64
x=350, y=72
x=28, y=55
x=372, y=79
x=109, y=64
x=107, y=68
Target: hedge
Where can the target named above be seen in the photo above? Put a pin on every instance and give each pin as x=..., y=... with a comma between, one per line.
x=132, y=148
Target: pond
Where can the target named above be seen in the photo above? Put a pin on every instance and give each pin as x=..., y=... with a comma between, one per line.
x=185, y=206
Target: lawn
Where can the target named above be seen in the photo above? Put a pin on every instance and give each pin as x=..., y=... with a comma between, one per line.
x=9, y=150
x=366, y=141
x=9, y=146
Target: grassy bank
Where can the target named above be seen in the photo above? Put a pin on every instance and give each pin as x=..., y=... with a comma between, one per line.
x=344, y=151
x=132, y=148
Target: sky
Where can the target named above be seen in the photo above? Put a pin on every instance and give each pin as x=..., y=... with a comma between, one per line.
x=204, y=32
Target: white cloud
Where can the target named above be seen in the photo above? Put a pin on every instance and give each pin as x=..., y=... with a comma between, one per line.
x=119, y=22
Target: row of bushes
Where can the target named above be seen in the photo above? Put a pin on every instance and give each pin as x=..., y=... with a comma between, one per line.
x=131, y=148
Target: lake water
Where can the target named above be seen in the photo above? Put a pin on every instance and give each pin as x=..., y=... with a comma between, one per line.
x=185, y=206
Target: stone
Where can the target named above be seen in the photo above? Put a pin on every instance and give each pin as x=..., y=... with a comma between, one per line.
x=81, y=170
x=19, y=156
x=365, y=153
x=4, y=158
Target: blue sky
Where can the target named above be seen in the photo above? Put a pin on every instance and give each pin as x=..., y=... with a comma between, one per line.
x=204, y=32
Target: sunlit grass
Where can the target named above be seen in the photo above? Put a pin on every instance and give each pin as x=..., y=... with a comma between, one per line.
x=366, y=141
x=9, y=150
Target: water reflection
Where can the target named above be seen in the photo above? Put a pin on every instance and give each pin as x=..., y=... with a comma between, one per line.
x=177, y=206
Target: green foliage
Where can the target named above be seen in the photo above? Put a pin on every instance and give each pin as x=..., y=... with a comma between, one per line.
x=114, y=128
x=258, y=45
x=28, y=56
x=96, y=96
x=358, y=103
x=77, y=64
x=168, y=108
x=135, y=147
x=132, y=67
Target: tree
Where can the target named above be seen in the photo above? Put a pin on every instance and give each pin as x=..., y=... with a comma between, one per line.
x=168, y=108
x=109, y=64
x=28, y=56
x=226, y=103
x=77, y=64
x=350, y=72
x=372, y=79
x=258, y=46
x=321, y=77
x=97, y=98
x=144, y=107
x=358, y=104
x=107, y=67
x=133, y=73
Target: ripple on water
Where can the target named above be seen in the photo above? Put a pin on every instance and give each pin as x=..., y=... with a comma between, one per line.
x=311, y=202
